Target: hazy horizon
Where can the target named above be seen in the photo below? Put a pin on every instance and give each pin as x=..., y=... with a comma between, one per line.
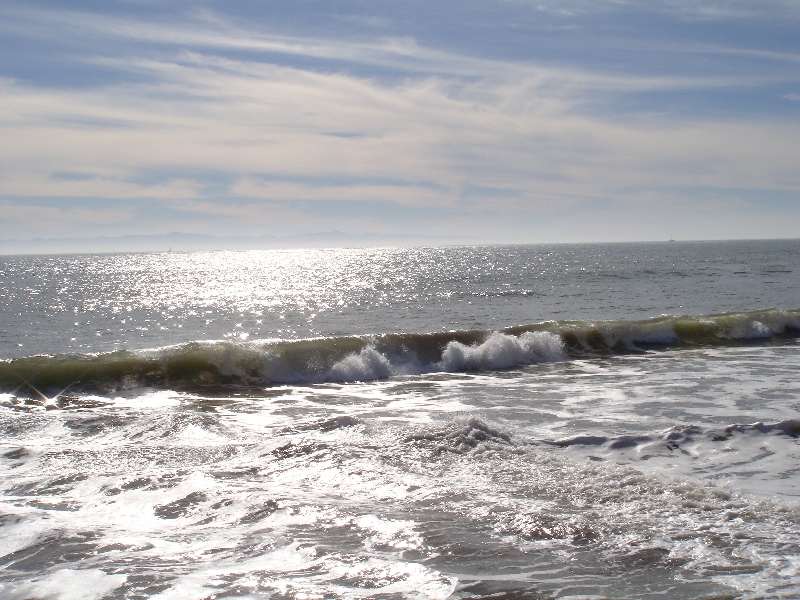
x=176, y=241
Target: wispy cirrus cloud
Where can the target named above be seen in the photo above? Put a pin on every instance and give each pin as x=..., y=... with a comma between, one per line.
x=210, y=116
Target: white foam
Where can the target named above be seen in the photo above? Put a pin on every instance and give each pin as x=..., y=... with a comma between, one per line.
x=393, y=532
x=499, y=351
x=393, y=577
x=199, y=436
x=367, y=365
x=503, y=351
x=67, y=584
x=18, y=535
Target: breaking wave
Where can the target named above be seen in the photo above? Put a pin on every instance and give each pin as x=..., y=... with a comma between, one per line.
x=365, y=358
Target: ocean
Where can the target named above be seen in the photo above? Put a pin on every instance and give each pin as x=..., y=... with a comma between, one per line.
x=507, y=422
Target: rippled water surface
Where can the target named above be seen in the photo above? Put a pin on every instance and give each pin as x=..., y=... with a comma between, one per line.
x=94, y=303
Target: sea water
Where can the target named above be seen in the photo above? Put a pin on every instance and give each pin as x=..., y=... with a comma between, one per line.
x=593, y=421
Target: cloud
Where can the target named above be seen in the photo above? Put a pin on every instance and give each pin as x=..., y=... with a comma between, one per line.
x=728, y=9
x=207, y=32
x=431, y=136
x=96, y=187
x=240, y=137
x=287, y=191
x=25, y=218
x=702, y=10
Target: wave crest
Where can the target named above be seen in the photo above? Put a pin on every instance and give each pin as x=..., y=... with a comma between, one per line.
x=502, y=351
x=366, y=358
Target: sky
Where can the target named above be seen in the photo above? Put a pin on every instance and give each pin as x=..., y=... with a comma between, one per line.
x=497, y=120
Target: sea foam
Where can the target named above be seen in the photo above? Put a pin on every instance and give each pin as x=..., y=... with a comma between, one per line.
x=503, y=351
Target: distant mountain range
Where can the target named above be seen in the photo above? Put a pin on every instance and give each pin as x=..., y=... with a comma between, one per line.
x=181, y=242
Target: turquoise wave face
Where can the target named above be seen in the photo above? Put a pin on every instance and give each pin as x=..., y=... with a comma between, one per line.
x=372, y=357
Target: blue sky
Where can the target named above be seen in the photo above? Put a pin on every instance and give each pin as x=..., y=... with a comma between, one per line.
x=504, y=121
